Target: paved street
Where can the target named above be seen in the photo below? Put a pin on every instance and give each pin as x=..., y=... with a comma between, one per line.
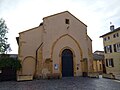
x=71, y=83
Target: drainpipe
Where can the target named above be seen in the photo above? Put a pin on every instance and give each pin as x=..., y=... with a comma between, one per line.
x=37, y=57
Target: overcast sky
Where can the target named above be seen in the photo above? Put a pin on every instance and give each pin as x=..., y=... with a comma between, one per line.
x=21, y=15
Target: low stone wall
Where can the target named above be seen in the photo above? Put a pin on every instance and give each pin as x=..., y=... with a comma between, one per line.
x=24, y=77
x=117, y=77
x=93, y=75
x=110, y=76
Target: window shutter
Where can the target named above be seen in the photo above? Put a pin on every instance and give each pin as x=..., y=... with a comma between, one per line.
x=114, y=48
x=112, y=63
x=106, y=62
x=117, y=34
x=110, y=49
x=105, y=49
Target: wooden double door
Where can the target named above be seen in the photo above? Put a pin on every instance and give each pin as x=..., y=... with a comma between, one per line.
x=67, y=63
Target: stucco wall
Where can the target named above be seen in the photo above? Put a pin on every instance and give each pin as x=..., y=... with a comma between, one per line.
x=96, y=66
x=115, y=55
x=29, y=42
x=116, y=69
x=55, y=27
x=56, y=36
x=66, y=42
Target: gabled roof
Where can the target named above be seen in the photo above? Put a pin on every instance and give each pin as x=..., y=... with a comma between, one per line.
x=117, y=29
x=65, y=12
x=52, y=16
x=89, y=37
x=29, y=29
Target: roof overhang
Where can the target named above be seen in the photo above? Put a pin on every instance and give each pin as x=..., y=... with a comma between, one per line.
x=117, y=29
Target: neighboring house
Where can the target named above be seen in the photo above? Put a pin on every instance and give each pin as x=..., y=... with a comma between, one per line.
x=98, y=62
x=99, y=52
x=111, y=41
x=58, y=46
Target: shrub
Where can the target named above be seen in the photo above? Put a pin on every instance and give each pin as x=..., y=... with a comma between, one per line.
x=7, y=62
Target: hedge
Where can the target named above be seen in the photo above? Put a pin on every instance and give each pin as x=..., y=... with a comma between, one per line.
x=8, y=62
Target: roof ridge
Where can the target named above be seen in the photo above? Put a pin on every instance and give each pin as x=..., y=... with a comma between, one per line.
x=64, y=12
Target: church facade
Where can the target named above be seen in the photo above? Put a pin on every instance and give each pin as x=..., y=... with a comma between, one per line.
x=59, y=46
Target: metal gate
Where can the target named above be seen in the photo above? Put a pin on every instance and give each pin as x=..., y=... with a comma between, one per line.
x=67, y=63
x=8, y=74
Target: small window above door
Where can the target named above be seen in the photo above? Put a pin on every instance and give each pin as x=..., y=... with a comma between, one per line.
x=67, y=21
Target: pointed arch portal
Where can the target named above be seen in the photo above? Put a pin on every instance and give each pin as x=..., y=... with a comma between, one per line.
x=67, y=63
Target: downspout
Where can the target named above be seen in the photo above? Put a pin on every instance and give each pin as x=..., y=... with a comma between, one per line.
x=37, y=58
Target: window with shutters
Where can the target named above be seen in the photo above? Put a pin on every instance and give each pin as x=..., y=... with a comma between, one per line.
x=115, y=35
x=106, y=62
x=106, y=38
x=109, y=63
x=108, y=49
x=116, y=47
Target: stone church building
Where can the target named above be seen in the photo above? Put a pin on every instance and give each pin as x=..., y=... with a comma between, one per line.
x=59, y=46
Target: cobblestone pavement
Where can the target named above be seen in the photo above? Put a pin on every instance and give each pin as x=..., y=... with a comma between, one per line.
x=70, y=83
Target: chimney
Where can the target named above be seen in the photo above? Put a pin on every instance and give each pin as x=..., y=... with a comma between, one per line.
x=112, y=28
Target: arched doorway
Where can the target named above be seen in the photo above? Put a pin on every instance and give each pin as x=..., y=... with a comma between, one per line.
x=67, y=63
x=28, y=65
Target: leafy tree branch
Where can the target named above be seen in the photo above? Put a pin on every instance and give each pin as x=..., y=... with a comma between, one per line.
x=4, y=46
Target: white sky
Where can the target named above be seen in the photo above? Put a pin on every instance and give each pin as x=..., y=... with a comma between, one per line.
x=21, y=15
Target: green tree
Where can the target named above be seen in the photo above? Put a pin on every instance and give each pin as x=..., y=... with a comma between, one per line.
x=4, y=46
